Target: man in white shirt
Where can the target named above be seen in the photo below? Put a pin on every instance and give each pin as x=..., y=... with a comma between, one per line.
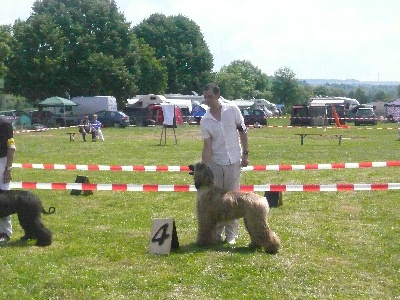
x=225, y=149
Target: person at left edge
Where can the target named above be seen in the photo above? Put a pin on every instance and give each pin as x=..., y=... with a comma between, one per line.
x=7, y=150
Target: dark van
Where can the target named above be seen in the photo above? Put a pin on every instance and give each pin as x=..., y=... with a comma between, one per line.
x=139, y=116
x=254, y=116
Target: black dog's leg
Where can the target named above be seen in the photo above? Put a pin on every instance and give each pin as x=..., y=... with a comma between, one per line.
x=26, y=220
x=43, y=235
x=34, y=229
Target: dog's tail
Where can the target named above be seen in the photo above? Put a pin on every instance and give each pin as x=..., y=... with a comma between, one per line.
x=50, y=211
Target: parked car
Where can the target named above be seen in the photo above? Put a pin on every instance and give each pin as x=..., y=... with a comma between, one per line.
x=139, y=116
x=113, y=118
x=10, y=116
x=365, y=115
x=18, y=118
x=254, y=116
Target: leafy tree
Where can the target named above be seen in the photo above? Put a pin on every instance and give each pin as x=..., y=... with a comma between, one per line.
x=76, y=48
x=360, y=95
x=229, y=84
x=305, y=92
x=379, y=96
x=153, y=75
x=398, y=90
x=321, y=90
x=241, y=79
x=5, y=50
x=180, y=46
x=329, y=91
x=34, y=68
x=285, y=87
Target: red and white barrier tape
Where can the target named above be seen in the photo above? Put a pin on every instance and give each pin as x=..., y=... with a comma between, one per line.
x=102, y=167
x=41, y=129
x=344, y=187
x=263, y=126
x=323, y=166
x=326, y=127
x=186, y=169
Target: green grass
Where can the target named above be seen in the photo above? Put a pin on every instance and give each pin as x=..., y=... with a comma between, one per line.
x=341, y=245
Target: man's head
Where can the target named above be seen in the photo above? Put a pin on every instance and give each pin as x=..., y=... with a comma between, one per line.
x=213, y=87
x=211, y=94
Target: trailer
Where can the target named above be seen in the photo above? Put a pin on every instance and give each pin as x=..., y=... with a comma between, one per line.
x=318, y=113
x=393, y=111
x=144, y=101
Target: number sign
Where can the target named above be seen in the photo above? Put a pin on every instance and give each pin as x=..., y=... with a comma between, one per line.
x=163, y=236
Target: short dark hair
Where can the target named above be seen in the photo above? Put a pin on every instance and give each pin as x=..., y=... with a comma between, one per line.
x=213, y=86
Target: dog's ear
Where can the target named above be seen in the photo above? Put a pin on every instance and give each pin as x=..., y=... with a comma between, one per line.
x=191, y=168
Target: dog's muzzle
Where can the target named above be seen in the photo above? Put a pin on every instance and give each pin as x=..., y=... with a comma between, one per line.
x=191, y=168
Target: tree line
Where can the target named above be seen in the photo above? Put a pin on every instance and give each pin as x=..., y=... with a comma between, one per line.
x=72, y=48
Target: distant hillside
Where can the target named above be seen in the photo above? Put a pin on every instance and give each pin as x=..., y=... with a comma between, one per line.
x=348, y=82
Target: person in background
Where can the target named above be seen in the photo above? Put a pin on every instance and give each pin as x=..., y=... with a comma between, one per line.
x=85, y=127
x=96, y=129
x=7, y=150
x=225, y=149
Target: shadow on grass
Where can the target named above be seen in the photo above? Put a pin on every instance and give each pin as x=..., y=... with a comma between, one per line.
x=17, y=243
x=194, y=248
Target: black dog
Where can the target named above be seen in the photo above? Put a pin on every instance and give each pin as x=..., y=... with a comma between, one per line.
x=29, y=208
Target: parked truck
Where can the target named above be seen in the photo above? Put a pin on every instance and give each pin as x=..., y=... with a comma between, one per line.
x=145, y=101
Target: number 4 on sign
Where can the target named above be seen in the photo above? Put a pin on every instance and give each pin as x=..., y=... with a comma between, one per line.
x=163, y=236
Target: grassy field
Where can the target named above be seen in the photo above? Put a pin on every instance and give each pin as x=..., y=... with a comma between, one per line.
x=335, y=245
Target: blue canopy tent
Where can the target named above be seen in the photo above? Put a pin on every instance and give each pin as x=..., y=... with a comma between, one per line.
x=198, y=112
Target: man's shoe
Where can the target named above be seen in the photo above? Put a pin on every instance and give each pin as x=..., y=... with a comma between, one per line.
x=4, y=238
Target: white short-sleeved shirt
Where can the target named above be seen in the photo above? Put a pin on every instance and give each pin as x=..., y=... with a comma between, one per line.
x=226, y=148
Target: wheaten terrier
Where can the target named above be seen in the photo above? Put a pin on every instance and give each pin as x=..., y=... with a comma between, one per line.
x=214, y=205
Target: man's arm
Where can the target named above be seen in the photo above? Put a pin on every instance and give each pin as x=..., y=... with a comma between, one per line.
x=207, y=151
x=245, y=147
x=10, y=158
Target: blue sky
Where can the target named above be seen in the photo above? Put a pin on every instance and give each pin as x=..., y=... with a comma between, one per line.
x=319, y=39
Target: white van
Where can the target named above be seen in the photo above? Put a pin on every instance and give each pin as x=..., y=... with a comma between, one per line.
x=90, y=105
